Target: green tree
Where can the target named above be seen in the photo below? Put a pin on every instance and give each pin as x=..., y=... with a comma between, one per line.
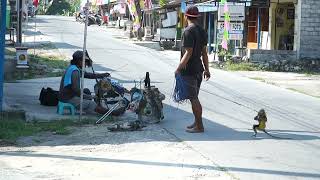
x=75, y=5
x=162, y=2
x=58, y=7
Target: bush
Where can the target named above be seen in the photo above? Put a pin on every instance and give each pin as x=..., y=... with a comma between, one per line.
x=241, y=66
x=58, y=7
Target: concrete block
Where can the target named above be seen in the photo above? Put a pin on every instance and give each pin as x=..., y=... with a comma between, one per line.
x=309, y=29
x=9, y=68
x=13, y=115
x=270, y=55
x=310, y=54
x=304, y=34
x=305, y=15
x=305, y=6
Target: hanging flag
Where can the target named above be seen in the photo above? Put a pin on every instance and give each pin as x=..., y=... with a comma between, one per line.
x=99, y=2
x=225, y=39
x=147, y=4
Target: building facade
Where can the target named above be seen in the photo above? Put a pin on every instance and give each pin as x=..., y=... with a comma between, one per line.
x=287, y=27
x=307, y=31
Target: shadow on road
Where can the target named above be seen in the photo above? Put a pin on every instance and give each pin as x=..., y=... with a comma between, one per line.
x=48, y=44
x=164, y=164
x=218, y=132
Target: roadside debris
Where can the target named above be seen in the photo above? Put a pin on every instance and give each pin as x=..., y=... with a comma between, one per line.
x=127, y=126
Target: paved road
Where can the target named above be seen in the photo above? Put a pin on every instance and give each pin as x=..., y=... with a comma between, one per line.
x=228, y=101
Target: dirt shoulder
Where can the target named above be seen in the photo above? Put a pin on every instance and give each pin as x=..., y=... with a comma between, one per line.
x=302, y=83
x=91, y=152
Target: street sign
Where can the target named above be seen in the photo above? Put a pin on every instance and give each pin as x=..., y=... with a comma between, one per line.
x=235, y=32
x=260, y=3
x=236, y=11
x=235, y=28
x=22, y=57
x=231, y=36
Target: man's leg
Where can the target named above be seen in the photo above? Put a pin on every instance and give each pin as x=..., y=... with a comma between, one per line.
x=89, y=106
x=197, y=112
x=194, y=87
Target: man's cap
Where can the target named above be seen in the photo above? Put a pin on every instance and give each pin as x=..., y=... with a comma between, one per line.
x=192, y=11
x=78, y=55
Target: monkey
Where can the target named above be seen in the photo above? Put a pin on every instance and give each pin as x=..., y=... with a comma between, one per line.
x=262, y=119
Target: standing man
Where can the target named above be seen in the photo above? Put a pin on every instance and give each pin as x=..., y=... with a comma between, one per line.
x=192, y=67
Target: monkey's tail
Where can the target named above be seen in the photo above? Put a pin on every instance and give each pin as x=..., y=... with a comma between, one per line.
x=276, y=137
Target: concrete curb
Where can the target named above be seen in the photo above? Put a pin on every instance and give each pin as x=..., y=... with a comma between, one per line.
x=13, y=115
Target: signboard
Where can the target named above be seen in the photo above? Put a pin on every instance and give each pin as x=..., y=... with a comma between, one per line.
x=235, y=28
x=237, y=12
x=22, y=57
x=231, y=36
x=260, y=3
x=235, y=32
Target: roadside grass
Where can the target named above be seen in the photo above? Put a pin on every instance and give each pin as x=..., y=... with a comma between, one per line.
x=302, y=92
x=247, y=66
x=241, y=66
x=258, y=79
x=53, y=65
x=309, y=73
x=9, y=51
x=11, y=129
x=55, y=62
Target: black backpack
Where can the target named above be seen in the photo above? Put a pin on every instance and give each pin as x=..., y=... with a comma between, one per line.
x=48, y=97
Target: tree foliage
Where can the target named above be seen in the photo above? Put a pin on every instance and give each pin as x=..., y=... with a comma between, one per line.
x=163, y=2
x=58, y=7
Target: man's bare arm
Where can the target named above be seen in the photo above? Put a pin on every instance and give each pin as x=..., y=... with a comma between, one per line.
x=184, y=59
x=205, y=61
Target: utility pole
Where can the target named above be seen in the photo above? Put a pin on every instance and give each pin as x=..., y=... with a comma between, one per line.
x=3, y=7
x=19, y=25
x=138, y=9
x=84, y=58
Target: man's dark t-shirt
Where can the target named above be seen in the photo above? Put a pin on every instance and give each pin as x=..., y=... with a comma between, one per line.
x=196, y=38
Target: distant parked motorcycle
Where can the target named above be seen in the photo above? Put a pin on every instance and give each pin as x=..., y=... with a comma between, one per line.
x=98, y=19
x=94, y=19
x=80, y=17
x=31, y=11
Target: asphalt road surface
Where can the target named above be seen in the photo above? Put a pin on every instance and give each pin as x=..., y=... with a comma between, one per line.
x=228, y=101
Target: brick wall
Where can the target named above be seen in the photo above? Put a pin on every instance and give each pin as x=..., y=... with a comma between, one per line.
x=309, y=29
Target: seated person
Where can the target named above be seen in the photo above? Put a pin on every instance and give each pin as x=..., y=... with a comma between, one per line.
x=70, y=85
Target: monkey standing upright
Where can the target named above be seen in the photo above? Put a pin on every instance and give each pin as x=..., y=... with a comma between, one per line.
x=262, y=119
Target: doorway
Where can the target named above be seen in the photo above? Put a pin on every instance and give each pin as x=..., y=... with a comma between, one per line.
x=256, y=28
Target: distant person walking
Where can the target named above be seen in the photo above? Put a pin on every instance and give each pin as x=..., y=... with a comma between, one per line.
x=192, y=67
